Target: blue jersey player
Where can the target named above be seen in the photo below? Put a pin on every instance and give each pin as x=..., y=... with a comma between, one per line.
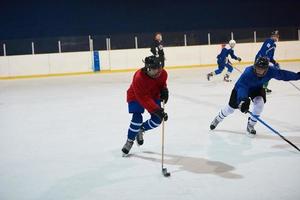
x=250, y=87
x=267, y=50
x=222, y=60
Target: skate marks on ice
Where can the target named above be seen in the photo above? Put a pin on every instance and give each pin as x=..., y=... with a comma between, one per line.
x=192, y=164
x=265, y=136
x=195, y=100
x=238, y=150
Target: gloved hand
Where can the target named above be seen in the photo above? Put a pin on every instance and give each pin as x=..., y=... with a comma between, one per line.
x=239, y=59
x=164, y=94
x=276, y=65
x=244, y=106
x=160, y=113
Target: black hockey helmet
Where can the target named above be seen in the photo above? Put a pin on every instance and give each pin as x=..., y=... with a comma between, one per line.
x=153, y=66
x=152, y=62
x=275, y=33
x=261, y=66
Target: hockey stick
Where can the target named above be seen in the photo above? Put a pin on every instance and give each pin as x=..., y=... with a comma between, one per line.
x=273, y=130
x=294, y=86
x=237, y=69
x=163, y=170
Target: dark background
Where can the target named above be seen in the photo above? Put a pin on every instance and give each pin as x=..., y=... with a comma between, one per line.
x=46, y=22
x=29, y=19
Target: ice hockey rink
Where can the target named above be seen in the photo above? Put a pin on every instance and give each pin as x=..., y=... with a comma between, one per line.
x=61, y=139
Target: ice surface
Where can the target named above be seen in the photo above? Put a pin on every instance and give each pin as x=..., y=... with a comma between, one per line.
x=61, y=139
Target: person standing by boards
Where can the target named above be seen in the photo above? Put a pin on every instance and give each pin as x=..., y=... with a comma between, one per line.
x=157, y=48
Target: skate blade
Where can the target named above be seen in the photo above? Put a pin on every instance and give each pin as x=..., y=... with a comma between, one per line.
x=124, y=155
x=250, y=135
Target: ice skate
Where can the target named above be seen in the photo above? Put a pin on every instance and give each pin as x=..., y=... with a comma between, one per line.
x=227, y=78
x=251, y=132
x=140, y=137
x=214, y=124
x=268, y=91
x=209, y=76
x=127, y=146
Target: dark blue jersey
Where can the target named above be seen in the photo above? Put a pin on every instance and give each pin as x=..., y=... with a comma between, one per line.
x=249, y=81
x=267, y=50
x=222, y=57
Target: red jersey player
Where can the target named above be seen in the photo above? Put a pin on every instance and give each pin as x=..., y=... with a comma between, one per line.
x=147, y=90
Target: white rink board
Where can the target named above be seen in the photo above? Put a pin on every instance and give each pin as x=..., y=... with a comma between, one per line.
x=61, y=138
x=60, y=63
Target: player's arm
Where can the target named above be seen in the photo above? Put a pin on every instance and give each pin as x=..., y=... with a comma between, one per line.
x=243, y=100
x=143, y=96
x=154, y=49
x=233, y=56
x=164, y=92
x=285, y=75
x=271, y=57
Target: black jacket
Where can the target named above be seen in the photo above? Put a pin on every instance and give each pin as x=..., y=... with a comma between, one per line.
x=157, y=48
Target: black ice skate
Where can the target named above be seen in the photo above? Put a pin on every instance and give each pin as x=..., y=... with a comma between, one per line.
x=140, y=137
x=214, y=124
x=127, y=146
x=251, y=132
x=209, y=75
x=226, y=78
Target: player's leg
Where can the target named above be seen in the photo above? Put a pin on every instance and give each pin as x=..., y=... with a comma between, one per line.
x=149, y=124
x=259, y=99
x=227, y=110
x=229, y=71
x=153, y=122
x=221, y=67
x=135, y=125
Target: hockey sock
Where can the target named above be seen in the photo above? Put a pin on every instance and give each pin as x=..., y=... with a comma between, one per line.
x=135, y=125
x=151, y=123
x=258, y=106
x=225, y=112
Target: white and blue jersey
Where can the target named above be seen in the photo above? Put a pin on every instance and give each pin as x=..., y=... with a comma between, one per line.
x=267, y=50
x=250, y=82
x=223, y=56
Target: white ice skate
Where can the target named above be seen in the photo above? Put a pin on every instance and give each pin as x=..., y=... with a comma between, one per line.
x=126, y=148
x=251, y=132
x=214, y=123
x=140, y=137
x=227, y=78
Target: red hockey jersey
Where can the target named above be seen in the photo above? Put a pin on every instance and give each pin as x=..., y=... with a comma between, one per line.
x=146, y=90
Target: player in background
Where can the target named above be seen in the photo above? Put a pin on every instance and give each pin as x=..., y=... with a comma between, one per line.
x=268, y=50
x=147, y=90
x=157, y=48
x=250, y=87
x=222, y=60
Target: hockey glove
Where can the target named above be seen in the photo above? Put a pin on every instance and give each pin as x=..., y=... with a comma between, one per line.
x=244, y=106
x=164, y=94
x=239, y=59
x=160, y=113
x=276, y=65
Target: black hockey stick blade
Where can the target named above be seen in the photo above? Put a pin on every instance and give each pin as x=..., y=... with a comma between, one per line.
x=165, y=172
